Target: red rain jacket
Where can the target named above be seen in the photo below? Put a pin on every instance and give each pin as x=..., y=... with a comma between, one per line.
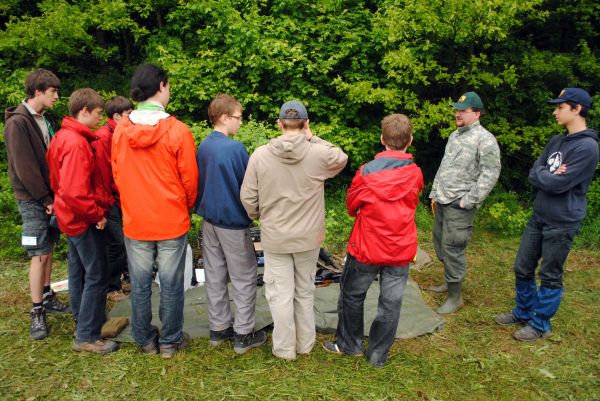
x=80, y=197
x=102, y=148
x=383, y=197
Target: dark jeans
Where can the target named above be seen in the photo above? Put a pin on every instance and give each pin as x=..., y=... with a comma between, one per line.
x=452, y=229
x=169, y=257
x=87, y=282
x=551, y=245
x=354, y=284
x=115, y=244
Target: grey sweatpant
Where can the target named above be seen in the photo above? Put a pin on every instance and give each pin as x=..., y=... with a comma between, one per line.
x=452, y=229
x=229, y=254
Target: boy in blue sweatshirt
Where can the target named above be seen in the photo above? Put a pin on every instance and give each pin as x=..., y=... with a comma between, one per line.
x=227, y=247
x=561, y=175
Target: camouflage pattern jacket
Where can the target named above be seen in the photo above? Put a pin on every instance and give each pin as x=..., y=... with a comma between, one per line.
x=469, y=169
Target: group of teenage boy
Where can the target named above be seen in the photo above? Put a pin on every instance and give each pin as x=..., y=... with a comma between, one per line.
x=123, y=194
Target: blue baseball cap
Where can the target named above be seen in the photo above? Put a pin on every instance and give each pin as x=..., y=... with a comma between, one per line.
x=575, y=95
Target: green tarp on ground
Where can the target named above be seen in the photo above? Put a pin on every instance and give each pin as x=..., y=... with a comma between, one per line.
x=416, y=317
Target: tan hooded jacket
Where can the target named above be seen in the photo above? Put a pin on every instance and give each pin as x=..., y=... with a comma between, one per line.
x=284, y=188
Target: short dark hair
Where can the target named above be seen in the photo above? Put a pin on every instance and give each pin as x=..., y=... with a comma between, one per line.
x=146, y=81
x=40, y=79
x=584, y=109
x=84, y=98
x=396, y=131
x=222, y=104
x=117, y=105
x=293, y=123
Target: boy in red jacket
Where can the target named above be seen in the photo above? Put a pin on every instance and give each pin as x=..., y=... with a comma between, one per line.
x=116, y=109
x=383, y=197
x=81, y=202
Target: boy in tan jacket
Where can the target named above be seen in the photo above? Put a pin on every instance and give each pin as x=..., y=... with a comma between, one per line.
x=284, y=188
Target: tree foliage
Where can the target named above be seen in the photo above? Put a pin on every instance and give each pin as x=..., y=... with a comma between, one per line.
x=351, y=62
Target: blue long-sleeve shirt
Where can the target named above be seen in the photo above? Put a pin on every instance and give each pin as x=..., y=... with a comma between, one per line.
x=560, y=199
x=222, y=164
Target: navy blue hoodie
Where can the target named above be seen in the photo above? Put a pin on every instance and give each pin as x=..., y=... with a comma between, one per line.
x=222, y=164
x=560, y=199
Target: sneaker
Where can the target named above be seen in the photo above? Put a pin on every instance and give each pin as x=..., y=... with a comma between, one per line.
x=529, y=334
x=38, y=329
x=506, y=319
x=53, y=305
x=117, y=296
x=98, y=347
x=126, y=286
x=218, y=337
x=168, y=350
x=332, y=347
x=151, y=347
x=244, y=342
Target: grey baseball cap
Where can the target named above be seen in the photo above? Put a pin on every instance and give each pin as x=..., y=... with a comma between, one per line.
x=293, y=109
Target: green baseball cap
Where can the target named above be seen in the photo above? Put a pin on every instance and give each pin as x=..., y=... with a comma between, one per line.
x=469, y=99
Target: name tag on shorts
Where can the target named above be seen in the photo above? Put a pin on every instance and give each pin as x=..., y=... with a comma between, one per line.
x=30, y=241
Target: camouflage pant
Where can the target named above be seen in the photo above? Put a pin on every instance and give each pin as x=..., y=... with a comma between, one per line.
x=452, y=229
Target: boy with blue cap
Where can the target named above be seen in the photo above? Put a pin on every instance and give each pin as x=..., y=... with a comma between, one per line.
x=561, y=175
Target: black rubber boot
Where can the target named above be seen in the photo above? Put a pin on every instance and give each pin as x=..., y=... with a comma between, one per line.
x=454, y=301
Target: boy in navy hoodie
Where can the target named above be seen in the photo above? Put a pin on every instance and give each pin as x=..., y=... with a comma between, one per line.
x=561, y=175
x=227, y=247
x=383, y=197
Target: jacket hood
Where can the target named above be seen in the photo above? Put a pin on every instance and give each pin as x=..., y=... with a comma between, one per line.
x=15, y=110
x=138, y=130
x=289, y=148
x=586, y=133
x=395, y=183
x=72, y=124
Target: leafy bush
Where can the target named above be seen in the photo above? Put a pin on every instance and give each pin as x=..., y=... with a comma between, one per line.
x=589, y=234
x=503, y=213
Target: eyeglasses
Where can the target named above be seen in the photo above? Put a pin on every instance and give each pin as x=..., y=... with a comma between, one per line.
x=238, y=117
x=464, y=111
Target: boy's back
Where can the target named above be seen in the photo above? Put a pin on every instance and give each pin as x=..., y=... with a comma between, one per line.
x=383, y=197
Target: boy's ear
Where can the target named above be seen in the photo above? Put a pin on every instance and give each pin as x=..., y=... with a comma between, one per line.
x=409, y=142
x=381, y=139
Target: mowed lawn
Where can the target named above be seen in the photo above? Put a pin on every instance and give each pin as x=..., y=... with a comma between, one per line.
x=470, y=359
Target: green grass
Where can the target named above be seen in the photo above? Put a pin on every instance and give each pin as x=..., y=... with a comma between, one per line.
x=470, y=359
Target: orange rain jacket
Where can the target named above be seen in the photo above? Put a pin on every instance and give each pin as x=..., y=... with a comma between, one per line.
x=155, y=170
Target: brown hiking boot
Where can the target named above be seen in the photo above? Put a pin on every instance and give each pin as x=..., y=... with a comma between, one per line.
x=117, y=296
x=168, y=350
x=98, y=347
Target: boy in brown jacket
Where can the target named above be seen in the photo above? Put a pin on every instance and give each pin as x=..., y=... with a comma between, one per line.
x=27, y=134
x=283, y=187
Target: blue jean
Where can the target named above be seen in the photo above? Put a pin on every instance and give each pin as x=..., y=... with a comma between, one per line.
x=354, y=284
x=169, y=257
x=552, y=245
x=87, y=282
x=117, y=255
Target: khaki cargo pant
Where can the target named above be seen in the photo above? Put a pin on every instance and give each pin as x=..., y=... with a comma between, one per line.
x=289, y=289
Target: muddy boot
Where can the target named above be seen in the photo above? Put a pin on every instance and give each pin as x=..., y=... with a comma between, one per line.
x=454, y=301
x=438, y=288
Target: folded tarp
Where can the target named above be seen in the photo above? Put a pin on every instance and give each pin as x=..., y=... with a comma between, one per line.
x=416, y=317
